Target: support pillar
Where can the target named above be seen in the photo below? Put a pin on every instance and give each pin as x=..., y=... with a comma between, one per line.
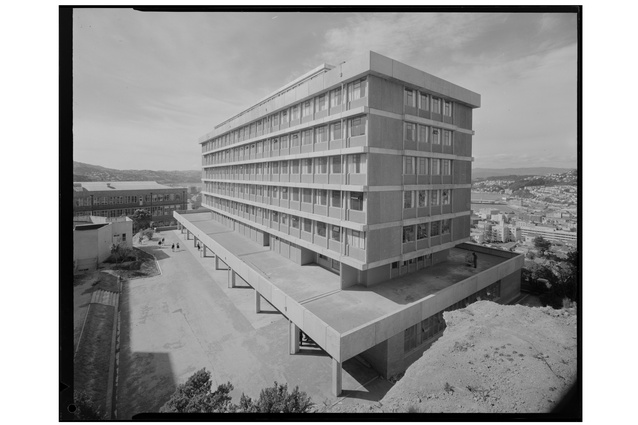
x=294, y=338
x=231, y=278
x=216, y=263
x=257, y=302
x=336, y=377
x=188, y=234
x=204, y=251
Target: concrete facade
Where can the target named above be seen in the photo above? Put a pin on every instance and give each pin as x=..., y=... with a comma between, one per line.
x=117, y=199
x=364, y=170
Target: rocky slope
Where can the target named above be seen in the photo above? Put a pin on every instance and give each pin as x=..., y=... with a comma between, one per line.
x=491, y=359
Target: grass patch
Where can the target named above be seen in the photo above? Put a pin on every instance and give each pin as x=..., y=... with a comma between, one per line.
x=91, y=365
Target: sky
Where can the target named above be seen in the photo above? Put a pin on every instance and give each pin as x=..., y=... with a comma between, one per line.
x=147, y=85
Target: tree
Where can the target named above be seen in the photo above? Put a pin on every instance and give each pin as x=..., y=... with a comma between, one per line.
x=85, y=408
x=542, y=244
x=120, y=252
x=195, y=396
x=277, y=399
x=141, y=219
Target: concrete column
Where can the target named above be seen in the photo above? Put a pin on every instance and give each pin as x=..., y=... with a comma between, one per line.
x=336, y=378
x=257, y=302
x=294, y=338
x=188, y=234
x=216, y=263
x=203, y=250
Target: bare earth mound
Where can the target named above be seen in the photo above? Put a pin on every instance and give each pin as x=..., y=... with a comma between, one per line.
x=493, y=359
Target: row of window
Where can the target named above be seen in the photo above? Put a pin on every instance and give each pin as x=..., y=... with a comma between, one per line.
x=114, y=200
x=320, y=134
x=427, y=166
x=353, y=238
x=425, y=198
x=320, y=197
x=160, y=210
x=427, y=329
x=354, y=164
x=354, y=90
x=427, y=102
x=425, y=230
x=427, y=134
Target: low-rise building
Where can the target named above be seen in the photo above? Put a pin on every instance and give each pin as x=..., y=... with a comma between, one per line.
x=119, y=199
x=94, y=236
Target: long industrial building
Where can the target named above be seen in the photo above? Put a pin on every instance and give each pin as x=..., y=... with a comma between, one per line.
x=343, y=199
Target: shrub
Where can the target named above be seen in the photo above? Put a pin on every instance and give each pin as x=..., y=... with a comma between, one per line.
x=277, y=399
x=195, y=396
x=85, y=408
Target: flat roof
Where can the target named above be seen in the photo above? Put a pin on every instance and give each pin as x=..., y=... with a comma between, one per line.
x=318, y=289
x=133, y=185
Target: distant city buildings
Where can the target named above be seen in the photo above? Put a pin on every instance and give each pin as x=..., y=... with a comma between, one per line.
x=122, y=199
x=363, y=170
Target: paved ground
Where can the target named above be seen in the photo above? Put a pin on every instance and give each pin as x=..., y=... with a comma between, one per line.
x=186, y=319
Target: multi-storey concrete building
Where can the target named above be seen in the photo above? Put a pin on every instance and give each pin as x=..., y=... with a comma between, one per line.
x=117, y=199
x=363, y=169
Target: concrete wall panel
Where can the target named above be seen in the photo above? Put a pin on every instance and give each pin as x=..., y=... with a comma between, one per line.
x=354, y=342
x=315, y=328
x=385, y=132
x=385, y=95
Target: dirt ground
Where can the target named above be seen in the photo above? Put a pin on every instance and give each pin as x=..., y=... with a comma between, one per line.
x=491, y=359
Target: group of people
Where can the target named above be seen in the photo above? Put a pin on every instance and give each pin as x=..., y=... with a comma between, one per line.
x=174, y=246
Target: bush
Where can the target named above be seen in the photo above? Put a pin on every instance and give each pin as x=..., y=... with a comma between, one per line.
x=85, y=408
x=277, y=399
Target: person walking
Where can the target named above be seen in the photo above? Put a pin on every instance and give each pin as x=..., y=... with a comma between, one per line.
x=173, y=247
x=159, y=243
x=177, y=246
x=475, y=258
x=162, y=241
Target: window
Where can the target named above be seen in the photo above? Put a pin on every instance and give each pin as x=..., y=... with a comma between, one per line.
x=275, y=217
x=284, y=219
x=434, y=197
x=321, y=165
x=436, y=166
x=356, y=239
x=357, y=126
x=335, y=198
x=260, y=147
x=409, y=131
x=295, y=194
x=295, y=166
x=284, y=167
x=307, y=165
x=335, y=233
x=321, y=197
x=275, y=120
x=446, y=167
x=447, y=138
x=307, y=108
x=275, y=192
x=294, y=221
x=408, y=165
x=321, y=103
x=294, y=140
x=424, y=102
x=284, y=116
x=408, y=234
x=435, y=228
x=445, y=196
x=336, y=164
x=284, y=142
x=356, y=90
x=275, y=167
x=422, y=198
x=409, y=97
x=307, y=196
x=436, y=136
x=447, y=108
x=356, y=201
x=421, y=231
x=436, y=105
x=306, y=137
x=355, y=164
x=445, y=226
x=284, y=193
x=335, y=131
x=294, y=113
x=307, y=225
x=321, y=134
x=408, y=199
x=320, y=228
x=335, y=98
x=275, y=144
x=423, y=166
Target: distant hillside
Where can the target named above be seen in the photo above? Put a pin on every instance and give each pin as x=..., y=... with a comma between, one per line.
x=481, y=173
x=94, y=173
